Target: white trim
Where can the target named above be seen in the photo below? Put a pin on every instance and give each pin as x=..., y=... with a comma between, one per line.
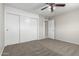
x=1, y=51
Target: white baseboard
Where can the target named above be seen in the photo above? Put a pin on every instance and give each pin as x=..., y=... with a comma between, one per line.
x=1, y=51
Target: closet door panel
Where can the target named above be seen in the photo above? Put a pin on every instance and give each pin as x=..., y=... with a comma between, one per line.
x=28, y=29
x=51, y=29
x=11, y=29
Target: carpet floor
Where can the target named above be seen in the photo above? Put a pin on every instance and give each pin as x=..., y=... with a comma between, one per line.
x=43, y=47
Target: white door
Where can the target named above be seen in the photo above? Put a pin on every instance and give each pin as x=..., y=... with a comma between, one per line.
x=28, y=29
x=11, y=29
x=51, y=29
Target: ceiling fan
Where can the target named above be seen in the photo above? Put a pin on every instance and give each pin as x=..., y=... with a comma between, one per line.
x=52, y=5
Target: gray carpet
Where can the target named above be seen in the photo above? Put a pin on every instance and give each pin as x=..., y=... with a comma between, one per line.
x=44, y=47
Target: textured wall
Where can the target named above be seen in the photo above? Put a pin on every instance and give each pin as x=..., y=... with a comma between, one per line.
x=67, y=26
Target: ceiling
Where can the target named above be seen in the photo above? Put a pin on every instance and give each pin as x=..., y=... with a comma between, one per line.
x=36, y=8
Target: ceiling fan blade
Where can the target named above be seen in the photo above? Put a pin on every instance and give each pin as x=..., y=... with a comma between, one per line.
x=44, y=8
x=50, y=3
x=60, y=5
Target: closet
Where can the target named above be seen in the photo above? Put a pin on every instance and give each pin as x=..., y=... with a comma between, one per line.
x=20, y=28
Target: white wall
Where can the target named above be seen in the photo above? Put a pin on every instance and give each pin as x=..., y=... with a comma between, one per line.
x=51, y=29
x=20, y=12
x=67, y=27
x=1, y=27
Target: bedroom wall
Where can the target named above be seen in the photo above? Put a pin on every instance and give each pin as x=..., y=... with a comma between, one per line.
x=67, y=26
x=1, y=28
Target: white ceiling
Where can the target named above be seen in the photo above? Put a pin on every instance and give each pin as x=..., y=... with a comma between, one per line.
x=36, y=8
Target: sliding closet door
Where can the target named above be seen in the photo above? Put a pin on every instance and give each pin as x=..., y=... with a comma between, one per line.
x=28, y=29
x=11, y=29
